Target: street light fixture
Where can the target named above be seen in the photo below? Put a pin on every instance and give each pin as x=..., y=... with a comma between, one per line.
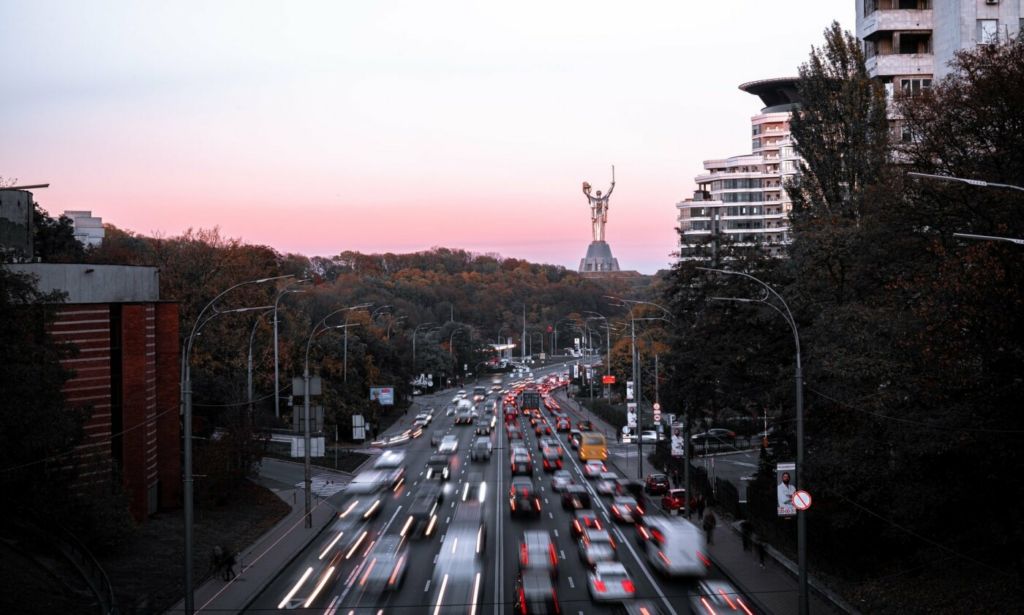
x=392, y=323
x=249, y=369
x=973, y=182
x=801, y=516
x=186, y=400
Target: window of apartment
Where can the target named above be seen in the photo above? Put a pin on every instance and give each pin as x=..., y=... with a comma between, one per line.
x=786, y=151
x=755, y=129
x=915, y=42
x=787, y=166
x=988, y=31
x=914, y=87
x=755, y=144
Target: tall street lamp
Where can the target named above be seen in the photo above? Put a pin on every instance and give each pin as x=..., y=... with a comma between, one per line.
x=350, y=310
x=186, y=400
x=320, y=326
x=392, y=322
x=277, y=379
x=608, y=345
x=416, y=330
x=801, y=516
x=973, y=182
x=249, y=369
x=638, y=391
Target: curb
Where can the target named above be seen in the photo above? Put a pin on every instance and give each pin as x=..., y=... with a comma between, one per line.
x=296, y=550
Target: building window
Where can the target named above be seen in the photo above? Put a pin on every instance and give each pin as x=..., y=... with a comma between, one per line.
x=755, y=144
x=988, y=31
x=914, y=87
x=755, y=130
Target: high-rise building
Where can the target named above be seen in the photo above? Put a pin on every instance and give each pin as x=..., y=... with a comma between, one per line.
x=907, y=43
x=743, y=197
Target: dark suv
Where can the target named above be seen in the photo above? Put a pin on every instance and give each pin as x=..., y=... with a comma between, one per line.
x=657, y=484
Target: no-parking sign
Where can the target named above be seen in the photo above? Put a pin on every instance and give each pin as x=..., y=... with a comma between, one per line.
x=801, y=500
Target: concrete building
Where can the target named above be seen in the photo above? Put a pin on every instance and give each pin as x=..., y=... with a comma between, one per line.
x=743, y=197
x=88, y=230
x=127, y=372
x=907, y=43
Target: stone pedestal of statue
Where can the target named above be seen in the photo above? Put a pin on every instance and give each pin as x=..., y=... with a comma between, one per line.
x=599, y=258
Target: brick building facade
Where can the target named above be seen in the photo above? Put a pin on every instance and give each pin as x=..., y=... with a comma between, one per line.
x=127, y=371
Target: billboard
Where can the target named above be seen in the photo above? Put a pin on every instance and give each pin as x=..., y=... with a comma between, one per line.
x=385, y=395
x=631, y=415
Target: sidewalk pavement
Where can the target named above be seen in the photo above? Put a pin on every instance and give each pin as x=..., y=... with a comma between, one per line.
x=260, y=562
x=773, y=588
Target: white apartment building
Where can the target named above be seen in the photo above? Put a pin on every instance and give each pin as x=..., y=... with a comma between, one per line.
x=907, y=43
x=742, y=197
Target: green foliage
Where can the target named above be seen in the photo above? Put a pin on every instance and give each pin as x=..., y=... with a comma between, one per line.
x=54, y=239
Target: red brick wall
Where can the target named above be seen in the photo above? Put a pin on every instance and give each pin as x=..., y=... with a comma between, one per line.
x=150, y=381
x=168, y=389
x=88, y=328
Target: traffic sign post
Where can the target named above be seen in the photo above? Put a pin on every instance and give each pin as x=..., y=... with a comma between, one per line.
x=801, y=500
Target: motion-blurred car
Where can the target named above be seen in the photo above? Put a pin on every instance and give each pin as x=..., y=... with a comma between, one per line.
x=422, y=520
x=596, y=546
x=514, y=433
x=648, y=437
x=594, y=468
x=439, y=467
x=718, y=596
x=714, y=436
x=674, y=546
x=392, y=465
x=582, y=520
x=575, y=497
x=625, y=509
x=550, y=461
x=448, y=445
x=610, y=582
x=535, y=594
x=607, y=484
x=537, y=552
x=522, y=464
x=481, y=450
x=563, y=424
x=560, y=479
x=585, y=426
x=386, y=564
x=483, y=427
x=522, y=498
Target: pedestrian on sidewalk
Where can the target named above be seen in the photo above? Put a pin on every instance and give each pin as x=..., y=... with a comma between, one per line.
x=217, y=561
x=710, y=522
x=745, y=530
x=701, y=505
x=675, y=478
x=229, y=567
x=760, y=550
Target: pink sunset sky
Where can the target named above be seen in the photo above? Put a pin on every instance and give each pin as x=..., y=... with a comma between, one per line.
x=320, y=127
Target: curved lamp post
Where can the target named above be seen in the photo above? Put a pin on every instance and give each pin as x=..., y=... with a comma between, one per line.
x=350, y=310
x=392, y=323
x=319, y=327
x=277, y=379
x=249, y=370
x=186, y=401
x=414, y=331
x=801, y=516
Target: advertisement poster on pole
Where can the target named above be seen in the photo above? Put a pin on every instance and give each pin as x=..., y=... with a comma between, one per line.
x=786, y=476
x=629, y=389
x=631, y=415
x=677, y=440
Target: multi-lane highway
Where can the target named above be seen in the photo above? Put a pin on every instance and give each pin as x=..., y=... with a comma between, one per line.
x=395, y=548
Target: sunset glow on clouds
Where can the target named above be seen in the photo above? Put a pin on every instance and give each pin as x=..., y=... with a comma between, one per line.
x=391, y=126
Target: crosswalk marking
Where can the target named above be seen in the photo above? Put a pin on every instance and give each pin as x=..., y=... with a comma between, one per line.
x=324, y=485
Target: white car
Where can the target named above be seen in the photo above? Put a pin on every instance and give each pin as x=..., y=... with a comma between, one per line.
x=648, y=437
x=449, y=444
x=607, y=484
x=594, y=468
x=610, y=582
x=560, y=479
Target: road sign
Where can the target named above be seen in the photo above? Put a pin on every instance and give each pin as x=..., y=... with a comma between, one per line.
x=657, y=406
x=801, y=500
x=625, y=429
